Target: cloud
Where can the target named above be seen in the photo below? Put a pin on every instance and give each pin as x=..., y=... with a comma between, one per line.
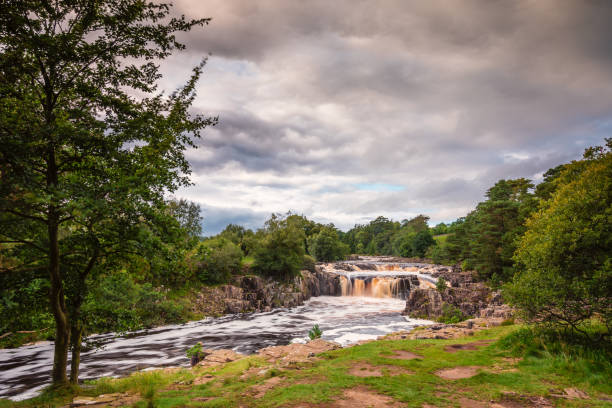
x=217, y=218
x=437, y=99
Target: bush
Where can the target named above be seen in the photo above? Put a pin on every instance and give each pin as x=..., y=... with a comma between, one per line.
x=439, y=254
x=118, y=303
x=217, y=260
x=315, y=332
x=309, y=263
x=441, y=284
x=451, y=314
x=540, y=341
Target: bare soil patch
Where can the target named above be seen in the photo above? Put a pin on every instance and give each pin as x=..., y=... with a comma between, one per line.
x=203, y=380
x=254, y=372
x=365, y=370
x=106, y=400
x=368, y=370
x=453, y=348
x=309, y=380
x=515, y=400
x=458, y=373
x=506, y=365
x=361, y=397
x=404, y=355
x=202, y=399
x=261, y=389
x=470, y=403
x=572, y=393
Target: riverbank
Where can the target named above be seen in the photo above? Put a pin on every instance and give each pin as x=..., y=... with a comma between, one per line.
x=483, y=369
x=244, y=294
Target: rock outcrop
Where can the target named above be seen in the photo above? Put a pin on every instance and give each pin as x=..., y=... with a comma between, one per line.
x=250, y=293
x=297, y=352
x=219, y=357
x=474, y=299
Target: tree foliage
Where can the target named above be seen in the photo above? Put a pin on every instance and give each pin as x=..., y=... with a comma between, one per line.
x=280, y=252
x=83, y=163
x=410, y=238
x=326, y=246
x=216, y=260
x=565, y=256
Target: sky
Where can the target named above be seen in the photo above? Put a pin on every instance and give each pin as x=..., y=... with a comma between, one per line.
x=346, y=110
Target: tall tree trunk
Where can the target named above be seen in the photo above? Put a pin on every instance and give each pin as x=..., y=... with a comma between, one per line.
x=76, y=337
x=77, y=325
x=57, y=297
x=58, y=305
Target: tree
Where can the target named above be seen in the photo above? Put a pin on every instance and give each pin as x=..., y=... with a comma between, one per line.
x=440, y=229
x=217, y=260
x=326, y=246
x=422, y=241
x=565, y=257
x=84, y=163
x=188, y=215
x=416, y=224
x=280, y=252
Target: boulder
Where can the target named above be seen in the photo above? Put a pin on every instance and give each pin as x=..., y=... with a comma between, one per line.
x=218, y=357
x=297, y=352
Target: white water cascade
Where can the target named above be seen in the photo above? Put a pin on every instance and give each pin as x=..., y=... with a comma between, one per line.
x=380, y=279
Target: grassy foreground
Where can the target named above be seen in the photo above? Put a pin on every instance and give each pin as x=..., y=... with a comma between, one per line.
x=504, y=372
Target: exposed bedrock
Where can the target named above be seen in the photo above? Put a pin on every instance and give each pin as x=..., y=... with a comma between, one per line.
x=472, y=298
x=259, y=294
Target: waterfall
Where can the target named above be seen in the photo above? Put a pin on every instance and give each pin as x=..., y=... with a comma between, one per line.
x=373, y=278
x=380, y=287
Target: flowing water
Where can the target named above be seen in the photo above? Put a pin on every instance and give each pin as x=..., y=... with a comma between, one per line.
x=380, y=279
x=344, y=319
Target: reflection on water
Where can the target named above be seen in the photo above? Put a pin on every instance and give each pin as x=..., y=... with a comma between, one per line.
x=346, y=320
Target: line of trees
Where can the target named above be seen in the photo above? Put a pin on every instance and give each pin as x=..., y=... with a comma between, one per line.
x=548, y=246
x=285, y=245
x=409, y=238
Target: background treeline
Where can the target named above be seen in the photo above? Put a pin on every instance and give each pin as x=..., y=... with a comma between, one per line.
x=409, y=238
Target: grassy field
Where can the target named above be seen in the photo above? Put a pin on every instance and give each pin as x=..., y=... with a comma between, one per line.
x=441, y=239
x=402, y=373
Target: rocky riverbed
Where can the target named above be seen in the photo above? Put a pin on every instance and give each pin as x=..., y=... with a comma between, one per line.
x=253, y=294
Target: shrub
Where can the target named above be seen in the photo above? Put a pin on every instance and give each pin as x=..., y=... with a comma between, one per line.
x=451, y=314
x=118, y=303
x=466, y=265
x=309, y=263
x=315, y=332
x=441, y=284
x=217, y=260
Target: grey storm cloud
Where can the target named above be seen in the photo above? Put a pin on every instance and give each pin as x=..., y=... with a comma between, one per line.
x=441, y=98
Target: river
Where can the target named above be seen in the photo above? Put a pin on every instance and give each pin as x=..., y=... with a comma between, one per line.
x=345, y=319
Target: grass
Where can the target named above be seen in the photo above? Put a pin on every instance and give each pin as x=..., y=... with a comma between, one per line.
x=19, y=339
x=521, y=362
x=247, y=261
x=441, y=239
